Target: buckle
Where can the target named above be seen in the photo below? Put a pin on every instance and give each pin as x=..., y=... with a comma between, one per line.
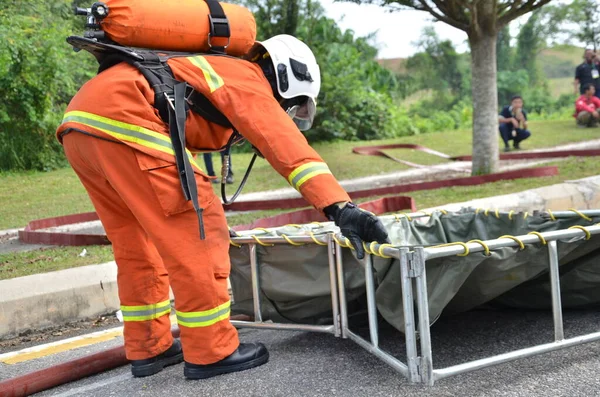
x=219, y=27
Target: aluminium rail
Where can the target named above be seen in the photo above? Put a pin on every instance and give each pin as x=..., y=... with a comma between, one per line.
x=418, y=367
x=325, y=239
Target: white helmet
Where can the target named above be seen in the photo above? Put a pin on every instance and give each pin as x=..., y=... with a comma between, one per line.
x=292, y=68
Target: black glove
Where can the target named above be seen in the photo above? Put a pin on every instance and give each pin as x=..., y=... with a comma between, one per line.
x=357, y=225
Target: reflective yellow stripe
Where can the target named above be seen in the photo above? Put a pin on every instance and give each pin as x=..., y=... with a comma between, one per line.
x=126, y=132
x=305, y=172
x=203, y=318
x=212, y=78
x=146, y=312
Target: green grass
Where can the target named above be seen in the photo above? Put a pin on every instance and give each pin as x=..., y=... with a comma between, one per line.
x=416, y=97
x=44, y=260
x=560, y=61
x=28, y=196
x=561, y=85
x=33, y=195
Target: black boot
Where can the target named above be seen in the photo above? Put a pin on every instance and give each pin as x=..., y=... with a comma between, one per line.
x=247, y=355
x=150, y=366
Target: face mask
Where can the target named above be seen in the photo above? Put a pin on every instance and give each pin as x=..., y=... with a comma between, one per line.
x=303, y=115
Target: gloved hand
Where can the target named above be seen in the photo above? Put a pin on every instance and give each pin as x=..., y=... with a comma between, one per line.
x=357, y=225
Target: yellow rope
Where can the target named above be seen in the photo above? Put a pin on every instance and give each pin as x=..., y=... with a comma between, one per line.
x=510, y=214
x=525, y=215
x=497, y=213
x=312, y=235
x=581, y=214
x=380, y=250
x=486, y=249
x=542, y=239
x=407, y=217
x=262, y=229
x=551, y=215
x=342, y=244
x=235, y=244
x=477, y=210
x=486, y=212
x=426, y=213
x=348, y=244
x=290, y=241
x=398, y=217
x=456, y=243
x=261, y=243
x=521, y=245
x=317, y=223
x=444, y=212
x=588, y=235
x=366, y=247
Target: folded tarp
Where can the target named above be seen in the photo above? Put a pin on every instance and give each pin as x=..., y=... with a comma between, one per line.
x=295, y=283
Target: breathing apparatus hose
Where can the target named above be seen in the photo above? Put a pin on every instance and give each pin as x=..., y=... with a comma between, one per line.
x=225, y=172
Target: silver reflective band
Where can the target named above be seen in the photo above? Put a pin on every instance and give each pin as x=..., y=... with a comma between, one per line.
x=303, y=115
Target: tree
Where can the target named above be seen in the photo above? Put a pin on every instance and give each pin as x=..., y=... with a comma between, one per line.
x=437, y=65
x=579, y=21
x=529, y=43
x=39, y=72
x=355, y=100
x=481, y=20
x=504, y=52
x=279, y=16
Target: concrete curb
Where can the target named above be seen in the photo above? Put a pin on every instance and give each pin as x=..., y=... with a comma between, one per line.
x=55, y=298
x=581, y=194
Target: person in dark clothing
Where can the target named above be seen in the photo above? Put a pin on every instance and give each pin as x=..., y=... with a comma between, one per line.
x=588, y=73
x=211, y=170
x=513, y=123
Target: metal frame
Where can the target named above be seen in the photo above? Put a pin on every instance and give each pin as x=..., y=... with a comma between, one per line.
x=258, y=322
x=418, y=367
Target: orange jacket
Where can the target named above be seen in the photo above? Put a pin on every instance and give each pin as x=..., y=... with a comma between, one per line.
x=118, y=103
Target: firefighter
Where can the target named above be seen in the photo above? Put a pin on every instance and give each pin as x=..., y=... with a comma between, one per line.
x=119, y=146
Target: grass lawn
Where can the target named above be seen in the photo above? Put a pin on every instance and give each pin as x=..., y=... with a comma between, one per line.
x=561, y=85
x=50, y=259
x=34, y=195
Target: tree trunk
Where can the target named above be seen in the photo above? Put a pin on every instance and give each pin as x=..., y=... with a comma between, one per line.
x=485, y=103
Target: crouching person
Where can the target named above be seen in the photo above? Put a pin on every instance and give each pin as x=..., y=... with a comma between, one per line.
x=513, y=123
x=586, y=107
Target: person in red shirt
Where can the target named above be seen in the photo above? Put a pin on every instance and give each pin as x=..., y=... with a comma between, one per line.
x=586, y=107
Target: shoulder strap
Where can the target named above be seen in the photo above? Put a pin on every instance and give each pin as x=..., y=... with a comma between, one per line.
x=155, y=69
x=218, y=24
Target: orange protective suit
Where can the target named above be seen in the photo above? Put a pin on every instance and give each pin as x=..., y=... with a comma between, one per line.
x=131, y=177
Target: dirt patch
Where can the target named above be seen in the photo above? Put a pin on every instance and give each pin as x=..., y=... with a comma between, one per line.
x=51, y=334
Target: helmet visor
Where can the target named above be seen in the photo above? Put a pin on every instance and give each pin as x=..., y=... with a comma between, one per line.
x=303, y=115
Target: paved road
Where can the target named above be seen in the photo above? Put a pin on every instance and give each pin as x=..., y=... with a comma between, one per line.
x=305, y=364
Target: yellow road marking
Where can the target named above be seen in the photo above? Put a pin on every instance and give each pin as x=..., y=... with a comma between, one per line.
x=73, y=344
x=34, y=352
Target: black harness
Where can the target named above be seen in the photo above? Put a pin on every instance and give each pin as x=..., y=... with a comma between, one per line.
x=172, y=99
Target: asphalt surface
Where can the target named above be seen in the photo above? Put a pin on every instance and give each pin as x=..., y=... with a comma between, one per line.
x=307, y=364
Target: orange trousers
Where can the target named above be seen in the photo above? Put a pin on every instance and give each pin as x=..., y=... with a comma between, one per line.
x=154, y=233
